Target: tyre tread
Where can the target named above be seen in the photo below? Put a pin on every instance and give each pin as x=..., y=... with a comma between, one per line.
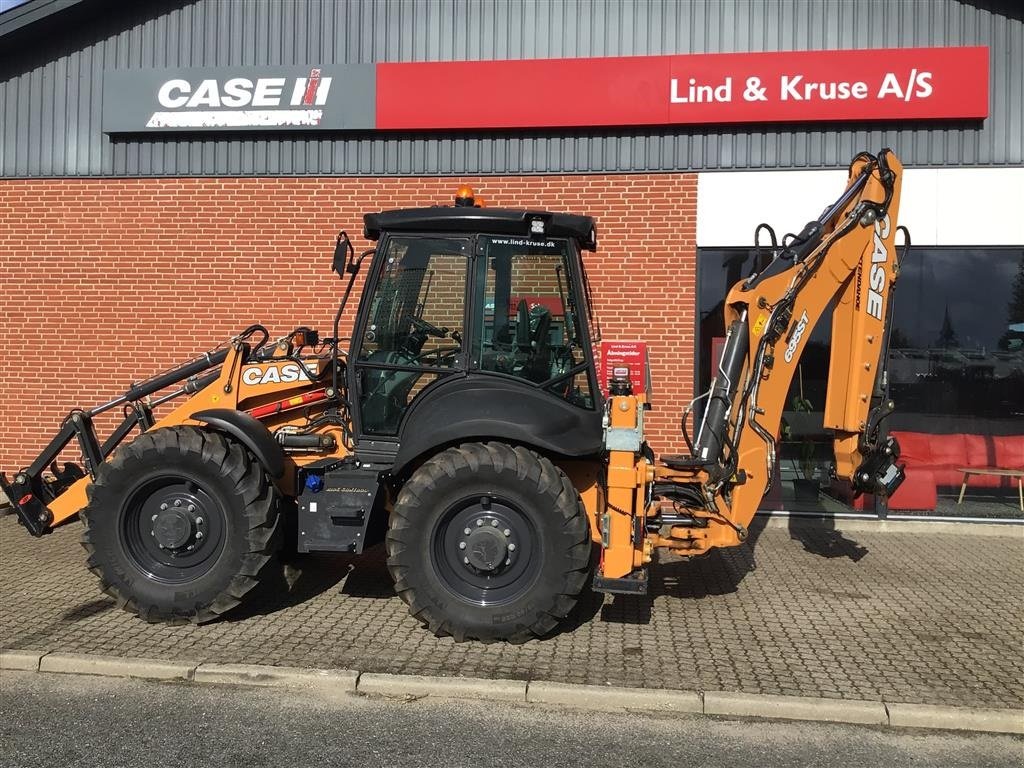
x=531, y=469
x=235, y=465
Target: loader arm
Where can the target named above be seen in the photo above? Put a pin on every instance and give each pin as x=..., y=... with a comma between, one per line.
x=707, y=498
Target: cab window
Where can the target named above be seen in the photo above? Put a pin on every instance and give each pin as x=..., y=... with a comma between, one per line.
x=415, y=322
x=529, y=317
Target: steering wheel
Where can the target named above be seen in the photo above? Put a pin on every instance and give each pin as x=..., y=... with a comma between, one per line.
x=428, y=328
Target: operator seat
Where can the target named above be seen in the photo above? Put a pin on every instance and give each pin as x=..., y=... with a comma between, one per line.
x=538, y=363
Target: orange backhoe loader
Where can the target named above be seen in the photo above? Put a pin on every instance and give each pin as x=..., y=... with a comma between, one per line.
x=465, y=425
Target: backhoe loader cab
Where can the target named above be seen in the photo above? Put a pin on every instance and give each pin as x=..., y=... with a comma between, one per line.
x=473, y=324
x=465, y=420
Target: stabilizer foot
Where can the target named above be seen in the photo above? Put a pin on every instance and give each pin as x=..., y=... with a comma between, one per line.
x=634, y=584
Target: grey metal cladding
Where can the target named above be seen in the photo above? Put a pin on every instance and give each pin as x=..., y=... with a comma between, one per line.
x=51, y=82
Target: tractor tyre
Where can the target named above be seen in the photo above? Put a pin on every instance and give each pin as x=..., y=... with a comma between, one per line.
x=489, y=542
x=181, y=524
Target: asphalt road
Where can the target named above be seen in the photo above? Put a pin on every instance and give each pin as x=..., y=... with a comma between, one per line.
x=57, y=721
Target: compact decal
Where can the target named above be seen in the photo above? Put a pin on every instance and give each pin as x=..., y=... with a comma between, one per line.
x=877, y=278
x=794, y=340
x=255, y=375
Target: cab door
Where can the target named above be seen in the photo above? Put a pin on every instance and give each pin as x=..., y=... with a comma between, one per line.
x=409, y=333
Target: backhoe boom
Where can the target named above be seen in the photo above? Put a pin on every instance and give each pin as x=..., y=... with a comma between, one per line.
x=845, y=259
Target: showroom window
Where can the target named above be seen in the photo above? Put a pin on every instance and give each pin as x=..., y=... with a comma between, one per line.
x=956, y=372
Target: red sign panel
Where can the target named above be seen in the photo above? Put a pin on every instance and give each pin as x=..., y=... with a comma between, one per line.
x=631, y=354
x=796, y=86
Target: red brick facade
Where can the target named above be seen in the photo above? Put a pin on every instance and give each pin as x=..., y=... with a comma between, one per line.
x=109, y=281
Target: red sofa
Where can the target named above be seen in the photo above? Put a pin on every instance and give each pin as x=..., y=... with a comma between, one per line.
x=944, y=454
x=933, y=461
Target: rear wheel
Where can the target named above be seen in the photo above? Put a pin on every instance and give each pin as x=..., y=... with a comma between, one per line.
x=489, y=542
x=181, y=524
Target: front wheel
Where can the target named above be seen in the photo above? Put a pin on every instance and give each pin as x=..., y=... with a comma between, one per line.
x=489, y=542
x=181, y=524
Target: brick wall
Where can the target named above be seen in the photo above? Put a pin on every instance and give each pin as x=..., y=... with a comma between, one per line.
x=109, y=281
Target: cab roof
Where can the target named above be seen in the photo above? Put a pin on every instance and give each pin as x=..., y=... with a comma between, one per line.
x=496, y=221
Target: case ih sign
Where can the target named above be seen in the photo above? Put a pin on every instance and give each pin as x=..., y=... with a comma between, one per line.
x=796, y=87
x=234, y=98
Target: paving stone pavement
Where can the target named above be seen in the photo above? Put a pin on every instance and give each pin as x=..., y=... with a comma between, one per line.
x=930, y=618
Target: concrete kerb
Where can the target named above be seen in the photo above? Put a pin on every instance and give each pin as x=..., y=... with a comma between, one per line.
x=956, y=718
x=795, y=708
x=608, y=698
x=111, y=666
x=416, y=686
x=341, y=680
x=594, y=697
x=22, y=661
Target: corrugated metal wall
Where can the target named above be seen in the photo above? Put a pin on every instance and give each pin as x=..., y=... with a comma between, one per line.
x=51, y=86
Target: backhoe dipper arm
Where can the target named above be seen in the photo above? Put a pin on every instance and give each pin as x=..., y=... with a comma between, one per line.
x=850, y=260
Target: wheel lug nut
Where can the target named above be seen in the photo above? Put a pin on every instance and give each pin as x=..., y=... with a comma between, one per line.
x=479, y=523
x=177, y=502
x=191, y=507
x=507, y=532
x=511, y=547
x=199, y=534
x=462, y=545
x=508, y=561
x=199, y=521
x=163, y=506
x=465, y=560
x=467, y=531
x=153, y=518
x=190, y=547
x=152, y=533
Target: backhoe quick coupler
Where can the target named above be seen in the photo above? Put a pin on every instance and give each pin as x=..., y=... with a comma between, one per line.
x=879, y=473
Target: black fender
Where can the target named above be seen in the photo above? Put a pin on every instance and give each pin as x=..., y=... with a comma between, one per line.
x=250, y=432
x=485, y=407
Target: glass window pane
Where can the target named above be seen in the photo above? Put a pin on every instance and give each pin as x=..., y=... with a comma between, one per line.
x=415, y=319
x=954, y=349
x=529, y=320
x=417, y=308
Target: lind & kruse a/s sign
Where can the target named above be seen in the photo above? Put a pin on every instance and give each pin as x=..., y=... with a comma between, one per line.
x=796, y=86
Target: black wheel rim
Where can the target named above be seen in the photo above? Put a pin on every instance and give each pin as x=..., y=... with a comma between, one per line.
x=173, y=529
x=485, y=550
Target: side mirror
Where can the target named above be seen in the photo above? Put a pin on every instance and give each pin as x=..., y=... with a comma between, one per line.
x=344, y=255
